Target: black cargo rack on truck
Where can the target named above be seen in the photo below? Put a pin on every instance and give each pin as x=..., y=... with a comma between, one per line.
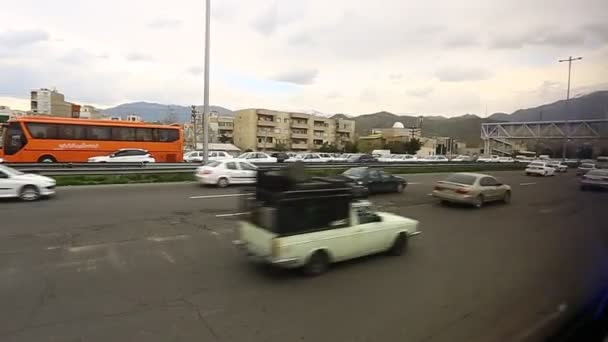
x=286, y=202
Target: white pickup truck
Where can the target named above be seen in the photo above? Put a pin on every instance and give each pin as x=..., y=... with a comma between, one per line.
x=289, y=241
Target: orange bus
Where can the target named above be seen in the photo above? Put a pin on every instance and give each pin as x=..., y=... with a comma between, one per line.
x=36, y=139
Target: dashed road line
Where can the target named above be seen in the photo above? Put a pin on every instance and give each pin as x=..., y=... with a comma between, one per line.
x=524, y=184
x=233, y=214
x=217, y=196
x=168, y=257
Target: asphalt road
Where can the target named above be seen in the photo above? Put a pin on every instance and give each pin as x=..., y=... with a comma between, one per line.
x=156, y=263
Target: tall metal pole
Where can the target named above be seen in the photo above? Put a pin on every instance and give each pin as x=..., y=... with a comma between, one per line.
x=206, y=92
x=566, y=128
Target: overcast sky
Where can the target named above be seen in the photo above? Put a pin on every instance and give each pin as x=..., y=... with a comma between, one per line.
x=348, y=56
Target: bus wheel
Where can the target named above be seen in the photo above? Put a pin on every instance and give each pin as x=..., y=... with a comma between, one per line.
x=47, y=159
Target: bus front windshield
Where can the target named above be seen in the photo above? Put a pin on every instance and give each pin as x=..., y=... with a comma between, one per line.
x=13, y=139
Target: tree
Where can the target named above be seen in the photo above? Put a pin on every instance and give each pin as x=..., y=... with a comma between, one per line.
x=248, y=150
x=398, y=147
x=280, y=147
x=349, y=147
x=585, y=152
x=224, y=139
x=328, y=148
x=413, y=146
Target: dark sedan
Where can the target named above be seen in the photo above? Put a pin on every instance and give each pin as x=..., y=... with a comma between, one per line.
x=361, y=158
x=375, y=180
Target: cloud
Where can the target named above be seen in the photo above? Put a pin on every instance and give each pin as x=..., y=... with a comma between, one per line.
x=460, y=74
x=15, y=39
x=266, y=22
x=460, y=40
x=545, y=36
x=195, y=70
x=298, y=76
x=332, y=95
x=164, y=23
x=395, y=76
x=138, y=57
x=420, y=92
x=80, y=56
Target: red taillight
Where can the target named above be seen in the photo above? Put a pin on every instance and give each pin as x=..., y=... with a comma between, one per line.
x=206, y=172
x=462, y=191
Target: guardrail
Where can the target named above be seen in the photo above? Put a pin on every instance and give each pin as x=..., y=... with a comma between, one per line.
x=83, y=169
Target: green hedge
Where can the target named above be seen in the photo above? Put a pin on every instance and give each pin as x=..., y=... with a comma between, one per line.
x=187, y=177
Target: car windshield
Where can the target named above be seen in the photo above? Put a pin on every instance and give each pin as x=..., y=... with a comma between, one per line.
x=354, y=157
x=536, y=164
x=355, y=172
x=10, y=170
x=587, y=166
x=243, y=156
x=461, y=178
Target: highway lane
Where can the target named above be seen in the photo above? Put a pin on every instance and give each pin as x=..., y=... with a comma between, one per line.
x=150, y=262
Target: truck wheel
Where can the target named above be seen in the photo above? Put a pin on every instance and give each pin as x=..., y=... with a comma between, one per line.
x=399, y=245
x=317, y=264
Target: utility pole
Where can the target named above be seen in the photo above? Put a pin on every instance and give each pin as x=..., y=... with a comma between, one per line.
x=194, y=126
x=206, y=92
x=566, y=128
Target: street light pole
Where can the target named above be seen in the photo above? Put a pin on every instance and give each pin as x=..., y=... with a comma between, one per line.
x=566, y=128
x=206, y=91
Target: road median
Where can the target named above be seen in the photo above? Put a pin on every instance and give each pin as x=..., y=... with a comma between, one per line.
x=133, y=178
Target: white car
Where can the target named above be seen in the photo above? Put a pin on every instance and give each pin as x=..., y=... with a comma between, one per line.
x=308, y=158
x=197, y=156
x=558, y=166
x=327, y=156
x=125, y=155
x=490, y=159
x=1, y=160
x=257, y=157
x=26, y=186
x=539, y=168
x=506, y=160
x=342, y=158
x=275, y=241
x=462, y=158
x=225, y=172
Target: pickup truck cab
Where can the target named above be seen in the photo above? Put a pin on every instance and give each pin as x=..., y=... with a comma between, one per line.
x=316, y=227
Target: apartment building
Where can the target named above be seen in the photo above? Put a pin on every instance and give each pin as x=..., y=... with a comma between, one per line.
x=45, y=101
x=262, y=129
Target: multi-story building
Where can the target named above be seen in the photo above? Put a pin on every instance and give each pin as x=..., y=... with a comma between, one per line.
x=7, y=113
x=90, y=112
x=51, y=102
x=261, y=129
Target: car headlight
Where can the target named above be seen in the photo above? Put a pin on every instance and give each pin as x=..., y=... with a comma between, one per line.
x=359, y=183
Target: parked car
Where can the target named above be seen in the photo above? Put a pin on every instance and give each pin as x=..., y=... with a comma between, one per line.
x=225, y=172
x=342, y=157
x=595, y=179
x=197, y=156
x=438, y=158
x=490, y=159
x=257, y=157
x=328, y=157
x=584, y=168
x=281, y=156
x=471, y=188
x=388, y=158
x=125, y=155
x=1, y=160
x=362, y=158
x=338, y=228
x=25, y=186
x=540, y=168
x=375, y=180
x=558, y=166
x=506, y=160
x=462, y=158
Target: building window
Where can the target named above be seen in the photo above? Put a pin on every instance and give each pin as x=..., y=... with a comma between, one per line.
x=277, y=130
x=278, y=119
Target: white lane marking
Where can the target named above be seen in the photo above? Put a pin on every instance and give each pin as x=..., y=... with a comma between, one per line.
x=234, y=214
x=168, y=257
x=542, y=323
x=524, y=184
x=414, y=183
x=167, y=238
x=217, y=196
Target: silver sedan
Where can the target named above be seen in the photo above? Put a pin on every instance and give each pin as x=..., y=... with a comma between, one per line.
x=471, y=188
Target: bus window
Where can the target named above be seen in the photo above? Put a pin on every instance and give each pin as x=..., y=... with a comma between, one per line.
x=99, y=133
x=72, y=132
x=123, y=133
x=144, y=134
x=14, y=139
x=42, y=130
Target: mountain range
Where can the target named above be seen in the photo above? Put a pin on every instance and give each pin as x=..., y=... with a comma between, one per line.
x=464, y=128
x=160, y=112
